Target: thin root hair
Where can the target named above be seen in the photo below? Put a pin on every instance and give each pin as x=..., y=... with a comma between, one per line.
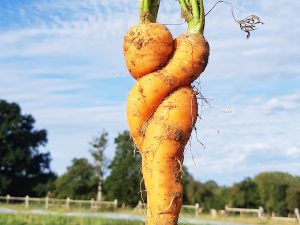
x=225, y=3
x=141, y=193
x=204, y=100
x=190, y=149
x=198, y=139
x=247, y=25
x=176, y=195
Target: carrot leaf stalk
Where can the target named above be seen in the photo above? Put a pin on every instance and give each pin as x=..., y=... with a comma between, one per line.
x=193, y=13
x=148, y=10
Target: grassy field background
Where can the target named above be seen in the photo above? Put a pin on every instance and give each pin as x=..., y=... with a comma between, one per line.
x=8, y=219
x=60, y=216
x=60, y=219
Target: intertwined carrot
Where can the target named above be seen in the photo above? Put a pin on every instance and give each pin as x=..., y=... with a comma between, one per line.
x=162, y=108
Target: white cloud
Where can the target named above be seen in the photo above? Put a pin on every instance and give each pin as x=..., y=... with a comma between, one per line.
x=245, y=140
x=288, y=102
x=293, y=152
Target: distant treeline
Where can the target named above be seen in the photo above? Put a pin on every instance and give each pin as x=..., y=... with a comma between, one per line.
x=276, y=191
x=26, y=171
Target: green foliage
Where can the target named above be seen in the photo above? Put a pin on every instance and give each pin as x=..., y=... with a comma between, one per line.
x=79, y=181
x=293, y=197
x=273, y=188
x=245, y=194
x=21, y=163
x=276, y=192
x=123, y=183
x=204, y=194
x=29, y=219
x=221, y=198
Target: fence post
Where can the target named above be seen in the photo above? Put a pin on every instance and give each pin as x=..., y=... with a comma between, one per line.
x=115, y=203
x=260, y=212
x=139, y=206
x=226, y=207
x=297, y=215
x=7, y=199
x=46, y=202
x=68, y=203
x=197, y=210
x=213, y=213
x=26, y=201
x=92, y=203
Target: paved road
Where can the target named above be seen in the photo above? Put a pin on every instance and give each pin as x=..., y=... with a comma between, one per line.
x=121, y=216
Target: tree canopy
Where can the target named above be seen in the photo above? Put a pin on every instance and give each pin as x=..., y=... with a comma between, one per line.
x=276, y=189
x=123, y=183
x=21, y=162
x=78, y=182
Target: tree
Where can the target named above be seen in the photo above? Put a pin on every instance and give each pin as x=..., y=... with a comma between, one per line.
x=272, y=189
x=190, y=187
x=123, y=183
x=79, y=181
x=21, y=163
x=98, y=146
x=208, y=195
x=293, y=197
x=245, y=194
x=221, y=198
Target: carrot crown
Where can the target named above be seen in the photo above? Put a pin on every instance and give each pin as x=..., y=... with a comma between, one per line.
x=148, y=10
x=193, y=13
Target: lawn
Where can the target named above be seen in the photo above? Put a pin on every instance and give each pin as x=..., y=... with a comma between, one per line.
x=79, y=217
x=28, y=219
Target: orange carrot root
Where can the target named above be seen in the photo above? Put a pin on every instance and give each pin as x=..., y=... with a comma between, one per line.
x=162, y=110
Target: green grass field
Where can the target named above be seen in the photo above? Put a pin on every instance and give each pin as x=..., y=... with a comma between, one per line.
x=29, y=219
x=24, y=217
x=21, y=219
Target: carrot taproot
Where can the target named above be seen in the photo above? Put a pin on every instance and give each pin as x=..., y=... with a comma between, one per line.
x=162, y=106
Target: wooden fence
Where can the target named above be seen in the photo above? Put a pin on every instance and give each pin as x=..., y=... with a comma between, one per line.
x=297, y=214
x=55, y=202
x=258, y=211
x=291, y=219
x=195, y=207
x=92, y=204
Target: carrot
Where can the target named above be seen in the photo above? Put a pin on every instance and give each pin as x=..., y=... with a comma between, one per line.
x=162, y=106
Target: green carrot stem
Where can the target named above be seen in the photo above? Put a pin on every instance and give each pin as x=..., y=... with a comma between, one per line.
x=148, y=10
x=193, y=12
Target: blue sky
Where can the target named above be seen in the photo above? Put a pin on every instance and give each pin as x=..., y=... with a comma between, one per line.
x=62, y=62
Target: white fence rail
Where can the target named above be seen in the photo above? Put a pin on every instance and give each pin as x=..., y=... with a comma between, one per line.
x=92, y=204
x=291, y=219
x=55, y=202
x=258, y=211
x=195, y=207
